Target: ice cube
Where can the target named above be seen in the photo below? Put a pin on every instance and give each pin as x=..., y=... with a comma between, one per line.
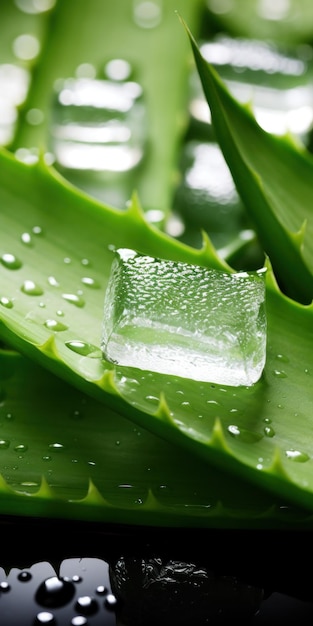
x=185, y=320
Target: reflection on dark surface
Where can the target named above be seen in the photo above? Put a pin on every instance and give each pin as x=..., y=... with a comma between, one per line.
x=153, y=591
x=147, y=577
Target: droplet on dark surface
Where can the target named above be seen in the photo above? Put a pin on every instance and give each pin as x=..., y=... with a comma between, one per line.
x=86, y=605
x=110, y=602
x=55, y=592
x=45, y=617
x=24, y=577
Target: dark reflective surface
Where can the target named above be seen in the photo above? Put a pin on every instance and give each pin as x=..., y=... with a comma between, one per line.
x=75, y=574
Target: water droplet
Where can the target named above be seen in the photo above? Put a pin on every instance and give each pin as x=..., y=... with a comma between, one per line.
x=74, y=299
x=79, y=620
x=26, y=239
x=21, y=448
x=10, y=261
x=234, y=430
x=55, y=592
x=60, y=313
x=47, y=458
x=53, y=281
x=27, y=155
x=153, y=399
x=86, y=70
x=269, y=431
x=4, y=586
x=37, y=230
x=279, y=374
x=45, y=617
x=4, y=444
x=30, y=288
x=297, y=456
x=247, y=436
x=84, y=348
x=34, y=117
x=76, y=414
x=118, y=69
x=6, y=302
x=110, y=601
x=147, y=14
x=67, y=260
x=85, y=262
x=91, y=282
x=86, y=605
x=55, y=325
x=101, y=590
x=56, y=447
x=14, y=83
x=282, y=357
x=26, y=47
x=24, y=577
x=76, y=578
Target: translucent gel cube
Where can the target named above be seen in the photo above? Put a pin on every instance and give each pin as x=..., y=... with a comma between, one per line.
x=185, y=320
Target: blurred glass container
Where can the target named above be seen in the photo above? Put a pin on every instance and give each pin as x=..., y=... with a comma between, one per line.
x=277, y=83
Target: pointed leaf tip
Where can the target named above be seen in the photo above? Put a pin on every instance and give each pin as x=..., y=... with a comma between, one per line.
x=218, y=440
x=163, y=411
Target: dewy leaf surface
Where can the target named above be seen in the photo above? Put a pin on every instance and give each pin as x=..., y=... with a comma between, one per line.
x=58, y=238
x=73, y=457
x=274, y=179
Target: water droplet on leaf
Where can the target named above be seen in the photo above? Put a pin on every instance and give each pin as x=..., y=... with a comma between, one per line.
x=10, y=261
x=30, y=288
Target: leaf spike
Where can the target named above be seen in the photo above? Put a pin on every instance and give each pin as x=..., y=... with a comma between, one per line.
x=208, y=254
x=49, y=348
x=277, y=467
x=163, y=411
x=152, y=503
x=4, y=487
x=219, y=510
x=44, y=490
x=298, y=237
x=107, y=382
x=218, y=440
x=92, y=497
x=134, y=208
x=270, y=278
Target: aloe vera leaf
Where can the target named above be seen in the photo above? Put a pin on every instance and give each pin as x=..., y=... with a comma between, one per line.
x=106, y=31
x=73, y=457
x=274, y=178
x=260, y=433
x=15, y=23
x=288, y=23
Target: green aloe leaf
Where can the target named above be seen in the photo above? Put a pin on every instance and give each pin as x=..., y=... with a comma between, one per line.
x=62, y=242
x=111, y=31
x=56, y=252
x=273, y=177
x=74, y=458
